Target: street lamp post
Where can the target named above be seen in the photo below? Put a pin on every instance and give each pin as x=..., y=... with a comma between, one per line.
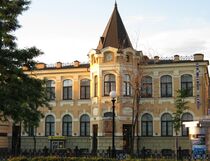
x=113, y=96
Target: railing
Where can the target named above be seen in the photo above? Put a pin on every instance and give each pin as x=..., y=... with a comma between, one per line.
x=64, y=64
x=187, y=57
x=120, y=154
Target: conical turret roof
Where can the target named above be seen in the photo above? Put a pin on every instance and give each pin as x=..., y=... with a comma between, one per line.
x=115, y=34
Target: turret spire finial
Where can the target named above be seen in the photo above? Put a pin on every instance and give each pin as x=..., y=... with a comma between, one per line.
x=115, y=4
x=115, y=34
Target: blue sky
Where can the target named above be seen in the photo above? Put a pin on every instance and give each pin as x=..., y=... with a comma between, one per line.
x=66, y=30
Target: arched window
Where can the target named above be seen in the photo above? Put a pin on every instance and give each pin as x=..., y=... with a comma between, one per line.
x=146, y=125
x=96, y=86
x=186, y=84
x=85, y=89
x=67, y=125
x=146, y=90
x=127, y=85
x=185, y=118
x=166, y=86
x=109, y=84
x=166, y=125
x=67, y=89
x=127, y=58
x=51, y=89
x=85, y=125
x=50, y=126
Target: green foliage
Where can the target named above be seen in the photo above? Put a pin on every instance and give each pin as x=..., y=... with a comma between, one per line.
x=18, y=159
x=9, y=10
x=83, y=159
x=47, y=159
x=20, y=94
x=181, y=106
x=61, y=159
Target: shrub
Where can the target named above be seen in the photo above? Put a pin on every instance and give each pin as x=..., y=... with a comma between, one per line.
x=88, y=159
x=82, y=159
x=46, y=159
x=18, y=159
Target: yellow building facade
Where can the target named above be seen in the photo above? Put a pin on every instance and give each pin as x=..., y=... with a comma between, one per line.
x=81, y=113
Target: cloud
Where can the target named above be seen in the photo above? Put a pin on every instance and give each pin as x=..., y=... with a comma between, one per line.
x=183, y=42
x=131, y=20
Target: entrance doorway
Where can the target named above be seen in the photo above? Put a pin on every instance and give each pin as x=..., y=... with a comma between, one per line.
x=16, y=133
x=57, y=145
x=95, y=141
x=127, y=134
x=57, y=142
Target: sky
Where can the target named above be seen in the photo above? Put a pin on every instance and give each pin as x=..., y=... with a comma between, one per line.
x=66, y=30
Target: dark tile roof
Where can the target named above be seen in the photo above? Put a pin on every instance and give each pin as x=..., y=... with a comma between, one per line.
x=115, y=34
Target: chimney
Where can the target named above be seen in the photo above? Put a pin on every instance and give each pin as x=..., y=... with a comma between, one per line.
x=76, y=63
x=156, y=59
x=198, y=57
x=40, y=65
x=58, y=65
x=176, y=57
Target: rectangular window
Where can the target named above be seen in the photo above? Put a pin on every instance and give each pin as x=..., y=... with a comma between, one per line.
x=170, y=129
x=83, y=129
x=166, y=90
x=67, y=93
x=47, y=129
x=85, y=92
x=150, y=129
x=144, y=129
x=163, y=129
x=106, y=89
x=51, y=93
x=52, y=132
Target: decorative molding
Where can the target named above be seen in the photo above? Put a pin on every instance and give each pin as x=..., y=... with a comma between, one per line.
x=166, y=100
x=81, y=102
x=147, y=100
x=67, y=102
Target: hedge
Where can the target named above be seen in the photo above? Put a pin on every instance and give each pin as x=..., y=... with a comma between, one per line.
x=59, y=159
x=18, y=159
x=80, y=159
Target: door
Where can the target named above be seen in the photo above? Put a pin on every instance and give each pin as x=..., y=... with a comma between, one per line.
x=127, y=133
x=95, y=141
x=57, y=145
x=16, y=132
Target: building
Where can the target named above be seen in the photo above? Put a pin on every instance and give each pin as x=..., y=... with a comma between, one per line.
x=82, y=109
x=5, y=130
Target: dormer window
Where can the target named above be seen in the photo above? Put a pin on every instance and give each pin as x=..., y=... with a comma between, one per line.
x=108, y=57
x=127, y=58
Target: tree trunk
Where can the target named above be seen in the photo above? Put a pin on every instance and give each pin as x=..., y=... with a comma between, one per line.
x=132, y=135
x=176, y=147
x=16, y=139
x=135, y=120
x=34, y=138
x=137, y=123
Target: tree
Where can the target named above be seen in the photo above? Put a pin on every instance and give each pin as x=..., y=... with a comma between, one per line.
x=181, y=106
x=136, y=87
x=21, y=95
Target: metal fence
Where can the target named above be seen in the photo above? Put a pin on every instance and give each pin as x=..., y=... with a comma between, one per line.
x=5, y=154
